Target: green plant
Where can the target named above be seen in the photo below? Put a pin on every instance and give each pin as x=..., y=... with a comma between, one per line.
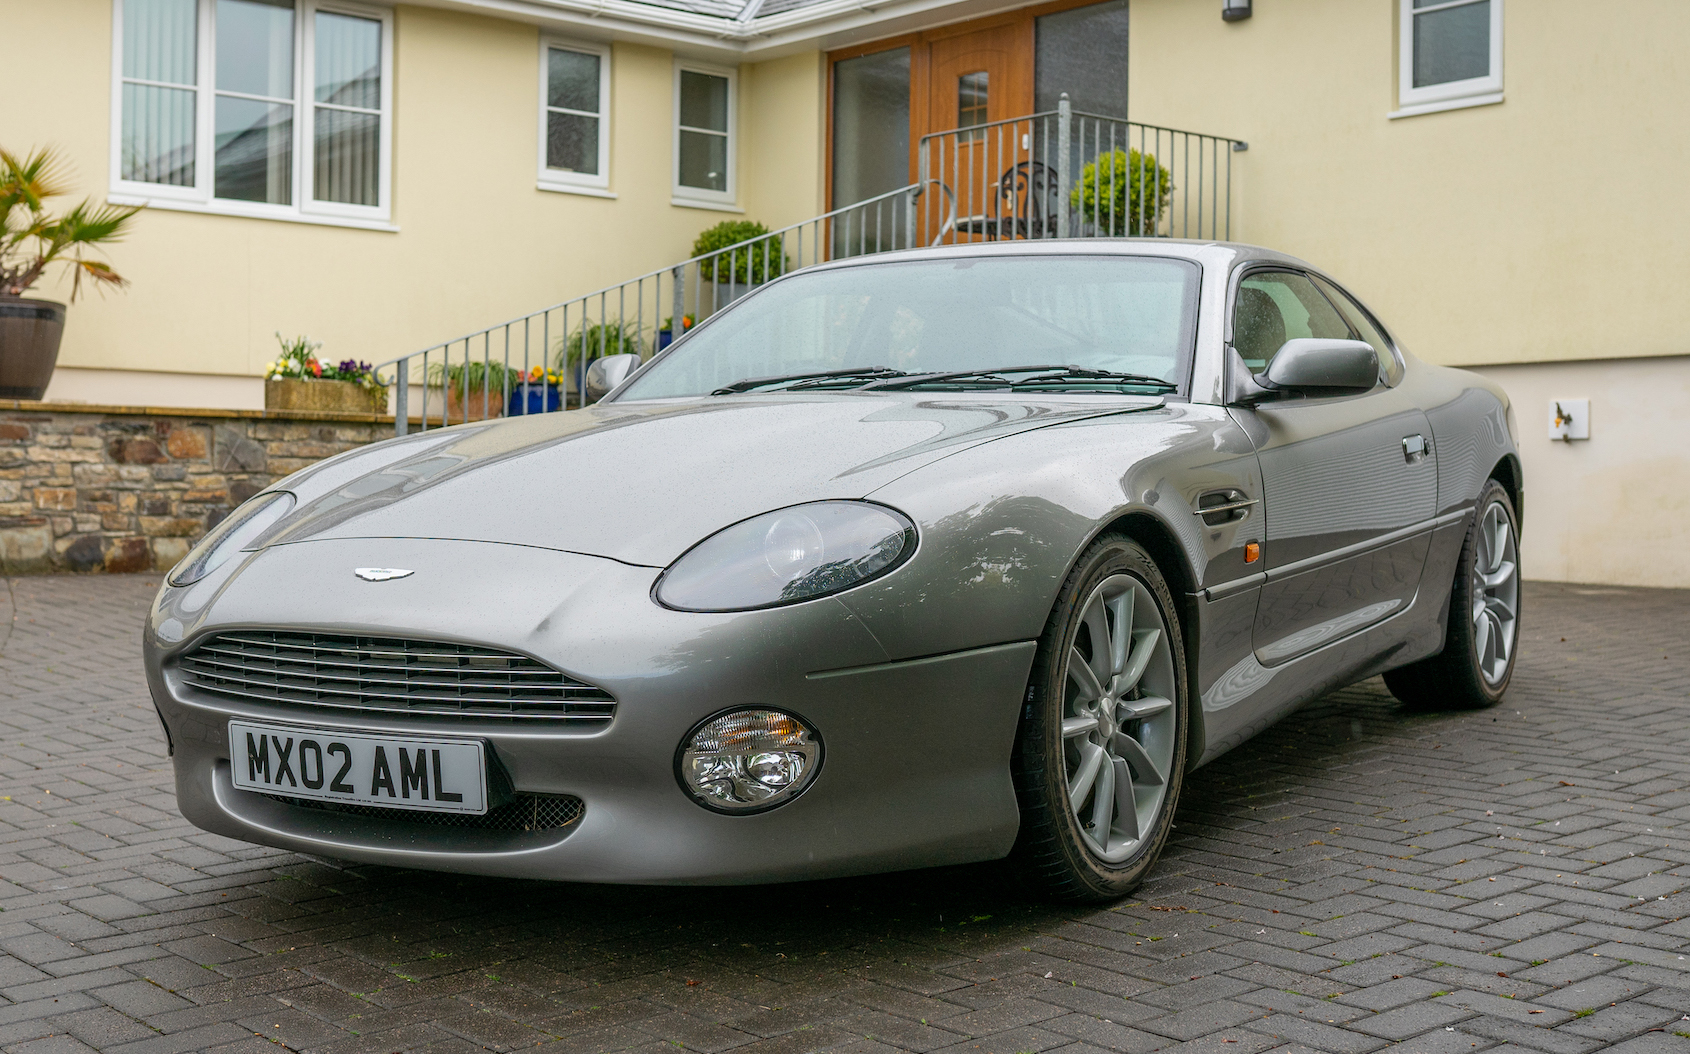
x=473, y=376
x=30, y=239
x=761, y=260
x=298, y=361
x=1122, y=192
x=599, y=340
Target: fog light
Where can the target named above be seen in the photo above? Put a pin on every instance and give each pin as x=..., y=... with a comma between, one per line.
x=748, y=760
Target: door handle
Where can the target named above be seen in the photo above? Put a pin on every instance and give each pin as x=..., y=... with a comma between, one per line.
x=1415, y=448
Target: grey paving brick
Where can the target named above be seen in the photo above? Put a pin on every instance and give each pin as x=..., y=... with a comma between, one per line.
x=1318, y=875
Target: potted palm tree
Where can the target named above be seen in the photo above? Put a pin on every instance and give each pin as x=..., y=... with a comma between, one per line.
x=30, y=241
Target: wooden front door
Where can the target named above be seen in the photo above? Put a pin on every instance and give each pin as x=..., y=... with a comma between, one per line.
x=974, y=78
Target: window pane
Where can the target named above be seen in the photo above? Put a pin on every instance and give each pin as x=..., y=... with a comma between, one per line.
x=1389, y=370
x=255, y=47
x=158, y=40
x=572, y=80
x=158, y=135
x=572, y=143
x=704, y=161
x=1128, y=314
x=348, y=61
x=971, y=99
x=254, y=151
x=1082, y=52
x=346, y=154
x=704, y=101
x=1276, y=307
x=1452, y=44
x=871, y=125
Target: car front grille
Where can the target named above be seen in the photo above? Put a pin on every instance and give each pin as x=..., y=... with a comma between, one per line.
x=390, y=675
x=526, y=812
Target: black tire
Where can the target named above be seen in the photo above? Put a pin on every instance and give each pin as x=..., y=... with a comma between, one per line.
x=1467, y=674
x=1057, y=852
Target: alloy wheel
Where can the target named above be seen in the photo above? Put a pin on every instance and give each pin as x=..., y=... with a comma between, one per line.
x=1495, y=594
x=1118, y=719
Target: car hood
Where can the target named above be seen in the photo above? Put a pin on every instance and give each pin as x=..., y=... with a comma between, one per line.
x=643, y=482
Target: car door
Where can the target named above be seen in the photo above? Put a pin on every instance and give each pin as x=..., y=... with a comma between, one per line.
x=1349, y=481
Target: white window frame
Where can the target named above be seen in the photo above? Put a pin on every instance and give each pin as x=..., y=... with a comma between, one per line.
x=556, y=178
x=304, y=208
x=1475, y=91
x=697, y=197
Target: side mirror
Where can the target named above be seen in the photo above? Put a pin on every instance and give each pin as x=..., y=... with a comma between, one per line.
x=1322, y=367
x=603, y=375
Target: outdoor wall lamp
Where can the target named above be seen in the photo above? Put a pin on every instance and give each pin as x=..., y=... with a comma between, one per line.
x=1235, y=10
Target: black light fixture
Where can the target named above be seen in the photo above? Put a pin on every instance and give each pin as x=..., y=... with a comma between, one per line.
x=1235, y=10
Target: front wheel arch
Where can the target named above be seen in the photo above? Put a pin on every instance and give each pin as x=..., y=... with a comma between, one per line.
x=1160, y=542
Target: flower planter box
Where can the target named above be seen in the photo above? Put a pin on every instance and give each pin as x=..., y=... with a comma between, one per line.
x=29, y=345
x=290, y=393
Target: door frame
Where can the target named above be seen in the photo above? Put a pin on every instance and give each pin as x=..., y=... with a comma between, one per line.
x=921, y=69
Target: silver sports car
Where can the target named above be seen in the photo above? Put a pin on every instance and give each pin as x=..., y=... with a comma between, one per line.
x=936, y=556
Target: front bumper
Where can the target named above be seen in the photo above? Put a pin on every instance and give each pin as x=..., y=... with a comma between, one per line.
x=916, y=771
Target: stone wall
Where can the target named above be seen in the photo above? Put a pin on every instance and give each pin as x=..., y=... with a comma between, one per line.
x=111, y=488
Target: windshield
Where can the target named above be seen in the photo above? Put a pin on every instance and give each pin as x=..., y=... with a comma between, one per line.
x=1125, y=314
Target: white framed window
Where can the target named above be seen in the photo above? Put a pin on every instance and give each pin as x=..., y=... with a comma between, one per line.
x=274, y=109
x=574, y=116
x=705, y=138
x=1451, y=54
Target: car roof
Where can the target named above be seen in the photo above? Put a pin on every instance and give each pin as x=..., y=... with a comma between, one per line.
x=1216, y=255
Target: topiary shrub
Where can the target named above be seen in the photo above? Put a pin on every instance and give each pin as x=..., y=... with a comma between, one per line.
x=1122, y=192
x=751, y=264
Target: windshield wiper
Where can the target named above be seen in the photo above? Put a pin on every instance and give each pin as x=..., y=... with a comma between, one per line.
x=856, y=375
x=1044, y=375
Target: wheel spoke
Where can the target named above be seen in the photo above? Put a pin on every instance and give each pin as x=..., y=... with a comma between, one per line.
x=1499, y=537
x=1149, y=706
x=1077, y=726
x=1126, y=803
x=1481, y=640
x=1131, y=750
x=1500, y=577
x=1499, y=639
x=1080, y=671
x=1091, y=760
x=1498, y=608
x=1103, y=805
x=1144, y=649
x=1097, y=625
x=1122, y=608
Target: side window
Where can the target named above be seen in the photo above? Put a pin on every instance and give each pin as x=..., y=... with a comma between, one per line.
x=1390, y=365
x=1276, y=306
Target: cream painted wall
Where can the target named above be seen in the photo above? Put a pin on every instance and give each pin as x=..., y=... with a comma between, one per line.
x=477, y=241
x=1612, y=508
x=1548, y=227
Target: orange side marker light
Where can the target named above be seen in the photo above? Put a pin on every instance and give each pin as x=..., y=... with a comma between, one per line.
x=1252, y=552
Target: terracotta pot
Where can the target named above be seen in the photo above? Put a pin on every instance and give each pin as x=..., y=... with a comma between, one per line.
x=473, y=404
x=29, y=345
x=292, y=393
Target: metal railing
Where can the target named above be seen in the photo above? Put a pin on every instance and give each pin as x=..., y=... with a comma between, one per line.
x=1050, y=175
x=491, y=371
x=1067, y=174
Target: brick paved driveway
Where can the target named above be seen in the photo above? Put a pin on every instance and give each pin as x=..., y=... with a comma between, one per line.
x=1354, y=878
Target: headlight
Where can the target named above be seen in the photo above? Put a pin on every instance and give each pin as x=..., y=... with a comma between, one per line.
x=238, y=530
x=748, y=760
x=788, y=555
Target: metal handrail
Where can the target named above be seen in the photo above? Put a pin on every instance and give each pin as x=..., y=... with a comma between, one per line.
x=624, y=317
x=1067, y=173
x=1057, y=174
